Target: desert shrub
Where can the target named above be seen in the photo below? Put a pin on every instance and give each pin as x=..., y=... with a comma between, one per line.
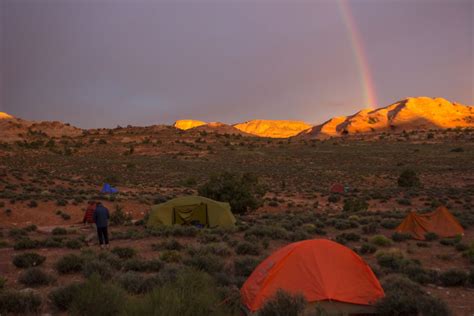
x=190, y=293
x=65, y=216
x=370, y=228
x=153, y=265
x=171, y=244
x=74, y=244
x=430, y=236
x=53, y=242
x=35, y=277
x=272, y=232
x=408, y=178
x=134, y=283
x=19, y=302
x=170, y=256
x=367, y=248
x=404, y=297
x=26, y=243
x=389, y=223
x=355, y=205
x=247, y=248
x=469, y=253
x=101, y=268
x=461, y=247
x=69, y=264
x=398, y=237
x=206, y=262
x=284, y=303
x=59, y=231
x=62, y=297
x=96, y=298
x=453, y=277
x=118, y=217
x=17, y=232
x=243, y=192
x=381, y=241
x=28, y=260
x=333, y=198
x=392, y=260
x=348, y=237
x=124, y=252
x=244, y=266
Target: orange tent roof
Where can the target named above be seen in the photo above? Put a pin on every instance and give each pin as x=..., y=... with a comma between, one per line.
x=441, y=222
x=319, y=269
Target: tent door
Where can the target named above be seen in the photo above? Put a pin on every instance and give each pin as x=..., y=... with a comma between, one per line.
x=195, y=214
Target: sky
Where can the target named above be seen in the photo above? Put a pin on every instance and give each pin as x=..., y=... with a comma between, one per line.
x=102, y=63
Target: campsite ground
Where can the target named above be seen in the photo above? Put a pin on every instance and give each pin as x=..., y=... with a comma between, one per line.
x=149, y=166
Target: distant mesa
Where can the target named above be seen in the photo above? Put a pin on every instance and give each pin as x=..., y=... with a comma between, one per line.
x=273, y=128
x=419, y=113
x=187, y=124
x=219, y=128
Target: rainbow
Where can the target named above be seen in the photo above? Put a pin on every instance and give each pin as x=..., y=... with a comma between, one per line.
x=370, y=95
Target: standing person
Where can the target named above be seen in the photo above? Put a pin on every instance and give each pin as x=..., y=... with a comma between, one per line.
x=101, y=219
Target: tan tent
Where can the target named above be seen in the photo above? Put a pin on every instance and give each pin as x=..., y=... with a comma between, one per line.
x=192, y=210
x=441, y=222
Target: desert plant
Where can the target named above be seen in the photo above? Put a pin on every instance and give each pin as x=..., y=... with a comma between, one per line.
x=35, y=277
x=96, y=298
x=408, y=178
x=124, y=252
x=453, y=277
x=69, y=264
x=430, y=236
x=247, y=248
x=355, y=205
x=398, y=237
x=118, y=217
x=19, y=302
x=243, y=192
x=28, y=260
x=101, y=268
x=62, y=297
x=381, y=241
x=283, y=303
x=59, y=231
x=191, y=292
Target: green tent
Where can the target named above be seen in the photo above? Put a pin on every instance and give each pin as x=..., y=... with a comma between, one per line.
x=192, y=210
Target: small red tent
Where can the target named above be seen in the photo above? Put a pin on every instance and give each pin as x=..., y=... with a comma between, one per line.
x=441, y=222
x=320, y=269
x=337, y=188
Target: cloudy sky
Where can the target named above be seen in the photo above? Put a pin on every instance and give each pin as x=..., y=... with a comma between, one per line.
x=99, y=63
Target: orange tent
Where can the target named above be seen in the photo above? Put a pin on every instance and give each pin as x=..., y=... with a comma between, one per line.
x=441, y=222
x=319, y=269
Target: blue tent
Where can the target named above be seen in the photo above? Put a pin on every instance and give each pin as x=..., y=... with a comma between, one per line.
x=108, y=189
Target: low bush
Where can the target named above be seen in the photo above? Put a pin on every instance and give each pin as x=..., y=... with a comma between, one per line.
x=399, y=237
x=247, y=248
x=244, y=266
x=367, y=248
x=355, y=205
x=205, y=262
x=191, y=292
x=153, y=265
x=124, y=252
x=390, y=259
x=98, y=267
x=28, y=260
x=26, y=243
x=69, y=264
x=171, y=244
x=59, y=231
x=389, y=223
x=19, y=302
x=404, y=297
x=430, y=236
x=284, y=303
x=74, y=244
x=453, y=277
x=170, y=256
x=381, y=241
x=35, y=277
x=408, y=178
x=96, y=298
x=62, y=297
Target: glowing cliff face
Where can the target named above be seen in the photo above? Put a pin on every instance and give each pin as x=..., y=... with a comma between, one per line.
x=4, y=116
x=188, y=124
x=273, y=128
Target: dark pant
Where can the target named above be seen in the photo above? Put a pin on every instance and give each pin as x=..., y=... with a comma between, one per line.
x=103, y=235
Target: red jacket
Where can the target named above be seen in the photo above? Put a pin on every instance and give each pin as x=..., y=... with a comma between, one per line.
x=89, y=215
